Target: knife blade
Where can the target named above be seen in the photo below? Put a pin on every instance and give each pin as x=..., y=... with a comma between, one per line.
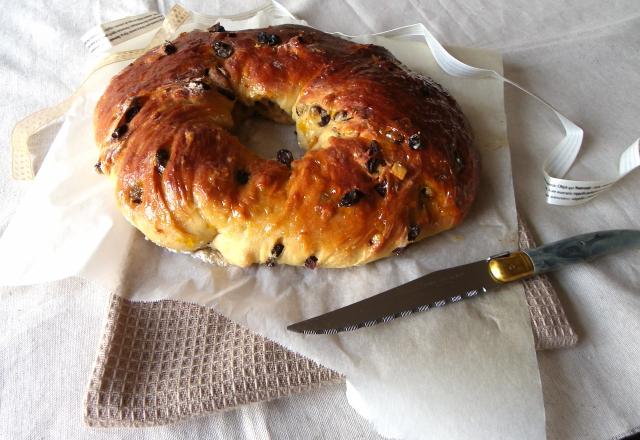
x=455, y=284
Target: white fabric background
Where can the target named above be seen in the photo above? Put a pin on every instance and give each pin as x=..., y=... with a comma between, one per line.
x=582, y=55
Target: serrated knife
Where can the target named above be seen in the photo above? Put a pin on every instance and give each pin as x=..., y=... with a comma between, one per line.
x=467, y=281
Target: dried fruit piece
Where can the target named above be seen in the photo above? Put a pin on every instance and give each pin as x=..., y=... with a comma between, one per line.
x=135, y=194
x=285, y=157
x=277, y=249
x=134, y=107
x=351, y=198
x=373, y=164
x=414, y=232
x=217, y=28
x=263, y=38
x=169, y=48
x=242, y=177
x=273, y=40
x=374, y=148
x=120, y=131
x=375, y=158
x=269, y=39
x=342, y=115
x=222, y=49
x=162, y=157
x=398, y=170
x=311, y=262
x=322, y=113
x=381, y=188
x=415, y=142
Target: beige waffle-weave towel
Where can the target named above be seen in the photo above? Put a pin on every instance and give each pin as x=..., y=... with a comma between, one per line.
x=551, y=329
x=166, y=361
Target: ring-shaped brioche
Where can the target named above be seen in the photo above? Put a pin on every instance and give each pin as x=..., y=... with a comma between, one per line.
x=389, y=158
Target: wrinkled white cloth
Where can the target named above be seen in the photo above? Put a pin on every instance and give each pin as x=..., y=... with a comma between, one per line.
x=581, y=56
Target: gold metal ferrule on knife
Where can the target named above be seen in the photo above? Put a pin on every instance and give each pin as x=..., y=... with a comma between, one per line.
x=511, y=266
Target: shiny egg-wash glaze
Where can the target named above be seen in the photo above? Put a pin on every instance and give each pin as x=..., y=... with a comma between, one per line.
x=389, y=157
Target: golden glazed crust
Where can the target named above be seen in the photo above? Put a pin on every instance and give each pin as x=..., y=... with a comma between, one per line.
x=389, y=157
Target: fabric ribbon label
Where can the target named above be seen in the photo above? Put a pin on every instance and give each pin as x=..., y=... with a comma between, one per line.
x=107, y=35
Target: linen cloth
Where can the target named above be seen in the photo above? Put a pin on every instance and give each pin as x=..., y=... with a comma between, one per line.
x=580, y=55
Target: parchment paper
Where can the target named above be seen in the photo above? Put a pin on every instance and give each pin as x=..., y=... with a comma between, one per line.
x=458, y=372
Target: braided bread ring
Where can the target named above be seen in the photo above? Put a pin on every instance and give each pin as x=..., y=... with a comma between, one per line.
x=389, y=157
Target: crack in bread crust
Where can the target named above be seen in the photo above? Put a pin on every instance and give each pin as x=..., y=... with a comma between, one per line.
x=389, y=154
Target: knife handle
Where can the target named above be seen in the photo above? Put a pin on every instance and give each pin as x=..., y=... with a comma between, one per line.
x=513, y=266
x=583, y=247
